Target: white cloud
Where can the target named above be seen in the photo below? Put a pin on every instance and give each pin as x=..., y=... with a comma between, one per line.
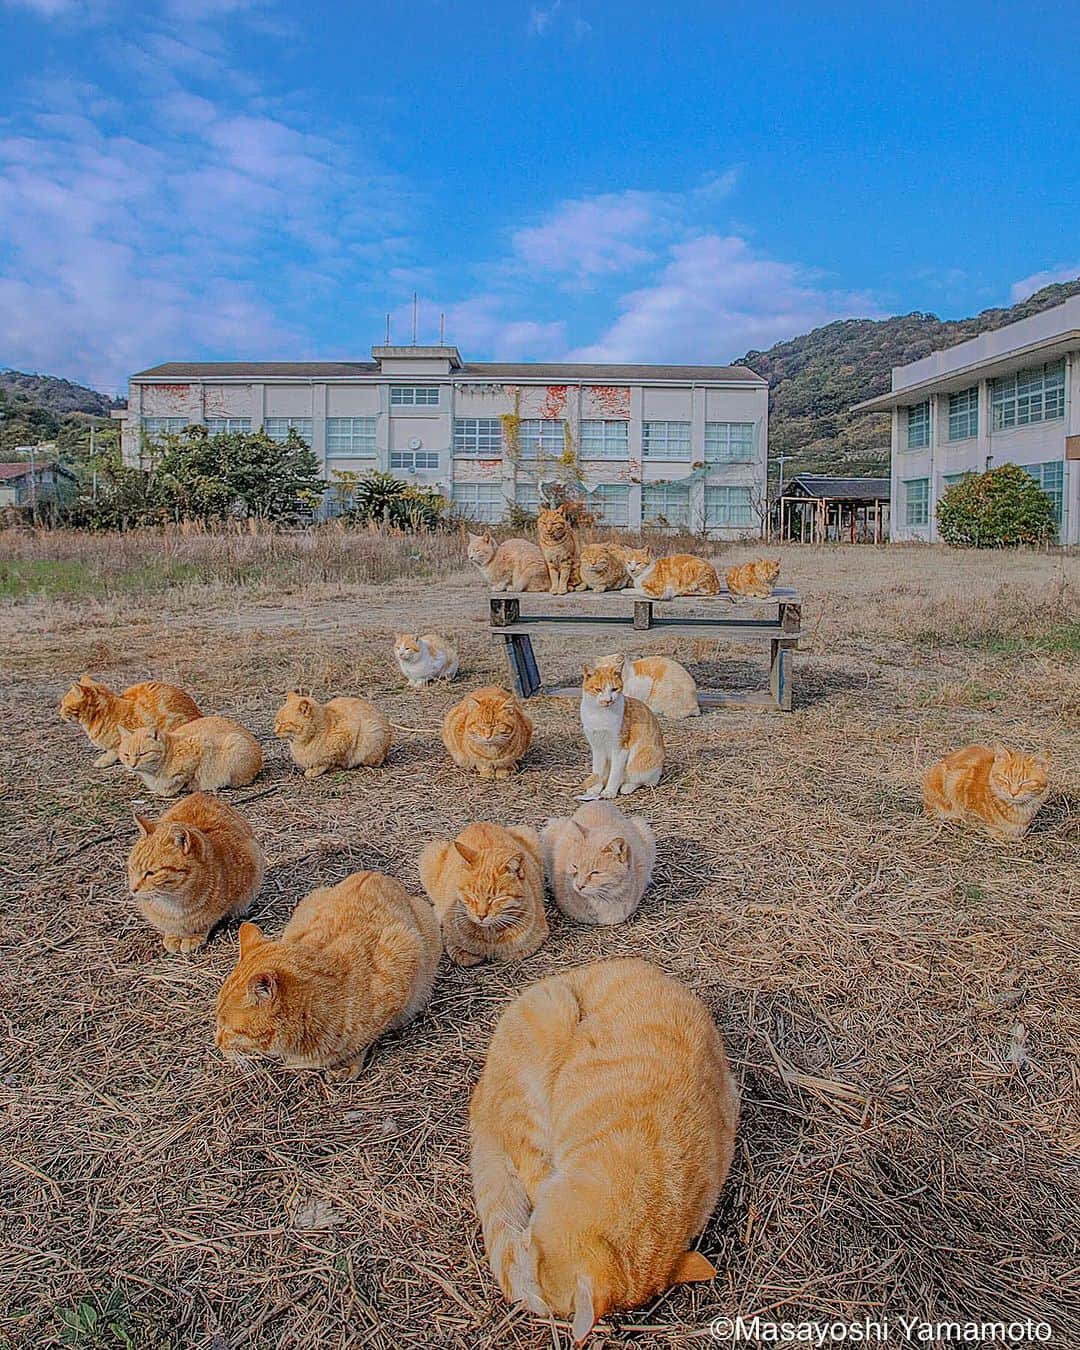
x=1029, y=285
x=540, y=19
x=53, y=9
x=591, y=236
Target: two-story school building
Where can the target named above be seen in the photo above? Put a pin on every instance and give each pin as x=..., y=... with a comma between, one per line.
x=1007, y=396
x=676, y=446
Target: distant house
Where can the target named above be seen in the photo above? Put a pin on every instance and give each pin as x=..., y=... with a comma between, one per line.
x=19, y=488
x=1011, y=395
x=813, y=508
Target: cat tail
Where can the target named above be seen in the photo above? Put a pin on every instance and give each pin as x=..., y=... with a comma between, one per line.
x=505, y=1213
x=432, y=865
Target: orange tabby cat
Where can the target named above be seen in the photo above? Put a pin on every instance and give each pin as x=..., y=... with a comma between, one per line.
x=559, y=547
x=998, y=791
x=665, y=578
x=355, y=960
x=668, y=688
x=343, y=733
x=206, y=753
x=513, y=565
x=753, y=579
x=487, y=732
x=487, y=886
x=198, y=864
x=101, y=713
x=598, y=862
x=602, y=1130
x=624, y=736
x=603, y=567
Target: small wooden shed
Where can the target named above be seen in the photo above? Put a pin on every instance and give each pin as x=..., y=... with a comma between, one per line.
x=815, y=508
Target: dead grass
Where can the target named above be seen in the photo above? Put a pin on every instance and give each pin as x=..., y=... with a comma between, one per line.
x=899, y=999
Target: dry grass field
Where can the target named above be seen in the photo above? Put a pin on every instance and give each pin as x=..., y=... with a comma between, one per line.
x=901, y=1000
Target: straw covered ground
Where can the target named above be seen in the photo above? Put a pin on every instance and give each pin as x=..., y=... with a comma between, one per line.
x=899, y=999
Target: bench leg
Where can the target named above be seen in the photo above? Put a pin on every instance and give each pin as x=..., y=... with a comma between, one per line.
x=523, y=670
x=780, y=673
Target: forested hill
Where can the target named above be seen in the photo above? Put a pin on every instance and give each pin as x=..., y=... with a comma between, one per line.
x=36, y=408
x=814, y=380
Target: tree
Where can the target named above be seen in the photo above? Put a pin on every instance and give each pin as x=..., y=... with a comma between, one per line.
x=234, y=475
x=1001, y=508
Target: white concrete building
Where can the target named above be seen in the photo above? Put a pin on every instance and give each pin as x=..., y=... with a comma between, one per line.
x=677, y=445
x=1008, y=396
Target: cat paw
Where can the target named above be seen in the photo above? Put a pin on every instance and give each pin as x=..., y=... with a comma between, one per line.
x=486, y=772
x=609, y=793
x=348, y=1073
x=504, y=773
x=316, y=771
x=626, y=789
x=171, y=943
x=465, y=959
x=104, y=761
x=192, y=944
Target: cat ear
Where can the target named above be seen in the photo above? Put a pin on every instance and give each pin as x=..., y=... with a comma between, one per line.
x=515, y=865
x=617, y=663
x=250, y=936
x=470, y=855
x=181, y=838
x=304, y=704
x=145, y=824
x=1043, y=758
x=586, y=672
x=262, y=988
x=619, y=848
x=584, y=1312
x=86, y=680
x=692, y=1266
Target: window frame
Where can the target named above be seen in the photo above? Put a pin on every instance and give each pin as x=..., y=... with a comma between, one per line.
x=469, y=438
x=413, y=467
x=622, y=491
x=474, y=510
x=750, y=447
x=604, y=445
x=966, y=416
x=228, y=430
x=665, y=448
x=398, y=399
x=923, y=409
x=1056, y=492
x=541, y=450
x=290, y=426
x=909, y=503
x=1008, y=392
x=367, y=450
x=153, y=435
x=712, y=522
x=673, y=522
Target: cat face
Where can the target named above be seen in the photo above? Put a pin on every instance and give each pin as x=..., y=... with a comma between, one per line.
x=598, y=871
x=598, y=562
x=143, y=749
x=604, y=683
x=770, y=569
x=552, y=525
x=253, y=1008
x=491, y=719
x=1016, y=778
x=406, y=647
x=481, y=549
x=492, y=886
x=295, y=716
x=80, y=701
x=637, y=560
x=163, y=859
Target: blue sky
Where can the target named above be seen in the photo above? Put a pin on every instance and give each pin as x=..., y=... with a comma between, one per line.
x=570, y=178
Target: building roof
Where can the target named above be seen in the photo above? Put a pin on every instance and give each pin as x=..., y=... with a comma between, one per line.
x=1045, y=336
x=548, y=372
x=17, y=469
x=840, y=489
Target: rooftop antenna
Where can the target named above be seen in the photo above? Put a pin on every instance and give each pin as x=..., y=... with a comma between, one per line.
x=442, y=330
x=414, y=318
x=388, y=329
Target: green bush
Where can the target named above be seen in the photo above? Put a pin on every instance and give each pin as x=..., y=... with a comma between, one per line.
x=382, y=499
x=1001, y=508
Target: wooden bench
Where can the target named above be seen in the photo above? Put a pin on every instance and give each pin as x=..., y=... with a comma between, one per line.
x=605, y=617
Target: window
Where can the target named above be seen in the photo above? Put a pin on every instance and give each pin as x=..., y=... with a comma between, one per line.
x=527, y=496
x=414, y=396
x=350, y=436
x=218, y=426
x=153, y=427
x=666, y=503
x=610, y=502
x=666, y=440
x=917, y=501
x=964, y=414
x=729, y=506
x=414, y=459
x=1035, y=395
x=1051, y=478
x=478, y=436
x=278, y=428
x=951, y=479
x=541, y=439
x=729, y=442
x=605, y=439
x=918, y=426
x=480, y=501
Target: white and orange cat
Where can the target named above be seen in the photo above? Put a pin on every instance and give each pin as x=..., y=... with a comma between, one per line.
x=676, y=574
x=487, y=732
x=558, y=544
x=198, y=864
x=602, y=1130
x=996, y=790
x=102, y=714
x=487, y=886
x=623, y=734
x=355, y=961
x=424, y=658
x=598, y=862
x=206, y=753
x=603, y=567
x=668, y=688
x=753, y=580
x=513, y=565
x=343, y=733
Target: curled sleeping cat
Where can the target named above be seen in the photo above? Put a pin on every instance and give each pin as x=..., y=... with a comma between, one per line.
x=206, y=753
x=598, y=862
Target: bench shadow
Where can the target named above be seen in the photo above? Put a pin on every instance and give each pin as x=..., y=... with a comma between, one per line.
x=681, y=872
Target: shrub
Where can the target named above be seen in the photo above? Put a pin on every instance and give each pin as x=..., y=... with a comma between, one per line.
x=1001, y=508
x=385, y=500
